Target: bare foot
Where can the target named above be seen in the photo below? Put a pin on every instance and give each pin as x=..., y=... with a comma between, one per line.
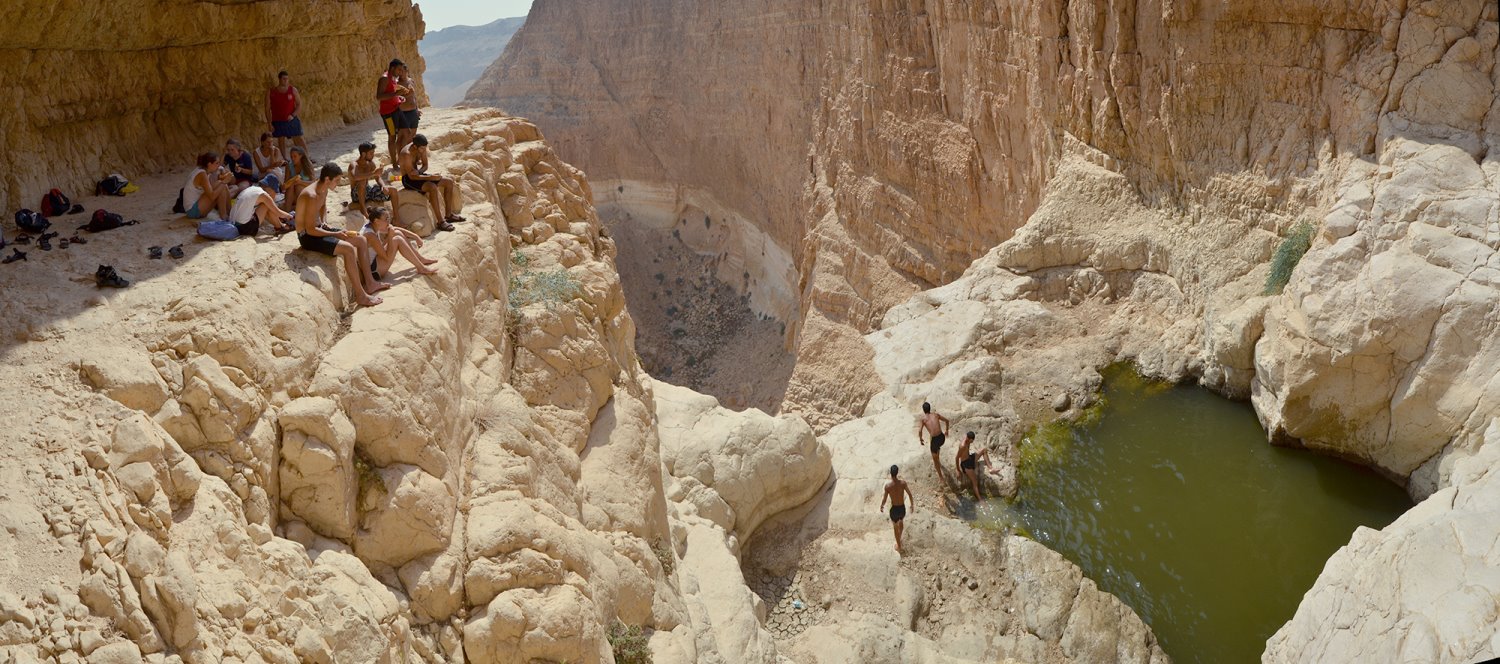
x=430, y=261
x=426, y=271
x=370, y=301
x=377, y=287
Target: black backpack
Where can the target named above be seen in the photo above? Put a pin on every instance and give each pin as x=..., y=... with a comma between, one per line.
x=31, y=222
x=113, y=185
x=55, y=204
x=105, y=221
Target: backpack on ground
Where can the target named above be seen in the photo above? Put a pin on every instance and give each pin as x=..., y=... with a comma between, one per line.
x=177, y=207
x=55, y=204
x=114, y=185
x=31, y=222
x=105, y=221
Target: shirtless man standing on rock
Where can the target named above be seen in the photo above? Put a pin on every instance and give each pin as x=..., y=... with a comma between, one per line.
x=898, y=493
x=966, y=463
x=937, y=427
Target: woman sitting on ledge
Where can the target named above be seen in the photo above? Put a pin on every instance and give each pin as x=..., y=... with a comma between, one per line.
x=205, y=192
x=299, y=174
x=386, y=241
x=268, y=160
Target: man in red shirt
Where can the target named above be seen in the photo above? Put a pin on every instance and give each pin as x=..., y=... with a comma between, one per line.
x=283, y=109
x=391, y=94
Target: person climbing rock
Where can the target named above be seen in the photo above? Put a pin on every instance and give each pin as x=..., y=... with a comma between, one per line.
x=936, y=426
x=966, y=462
x=441, y=192
x=283, y=111
x=898, y=493
x=349, y=245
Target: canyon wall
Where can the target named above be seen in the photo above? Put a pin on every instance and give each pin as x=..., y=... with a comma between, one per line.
x=143, y=86
x=1145, y=158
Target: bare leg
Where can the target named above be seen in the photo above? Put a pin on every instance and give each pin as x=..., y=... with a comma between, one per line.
x=281, y=147
x=390, y=194
x=221, y=201
x=434, y=199
x=899, y=525
x=454, y=201
x=937, y=467
x=301, y=144
x=412, y=255
x=372, y=284
x=350, y=255
x=973, y=482
x=266, y=209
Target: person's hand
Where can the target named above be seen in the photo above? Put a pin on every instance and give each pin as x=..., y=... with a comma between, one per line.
x=350, y=234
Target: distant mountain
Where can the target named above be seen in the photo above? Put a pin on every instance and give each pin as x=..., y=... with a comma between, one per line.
x=456, y=56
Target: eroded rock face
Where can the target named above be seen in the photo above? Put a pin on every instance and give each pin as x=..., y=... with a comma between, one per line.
x=142, y=87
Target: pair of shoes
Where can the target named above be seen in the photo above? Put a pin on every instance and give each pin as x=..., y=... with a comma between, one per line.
x=106, y=277
x=45, y=241
x=18, y=256
x=445, y=226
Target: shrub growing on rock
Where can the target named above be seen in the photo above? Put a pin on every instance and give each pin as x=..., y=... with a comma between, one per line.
x=629, y=644
x=1287, y=256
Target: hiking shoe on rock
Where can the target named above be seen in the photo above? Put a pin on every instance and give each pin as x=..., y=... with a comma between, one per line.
x=175, y=252
x=106, y=277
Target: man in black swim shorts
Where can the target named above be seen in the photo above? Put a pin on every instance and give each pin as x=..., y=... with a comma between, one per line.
x=312, y=235
x=898, y=493
x=967, y=463
x=936, y=426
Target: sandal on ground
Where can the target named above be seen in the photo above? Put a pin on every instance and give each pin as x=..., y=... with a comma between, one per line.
x=77, y=240
x=445, y=226
x=454, y=219
x=18, y=256
x=62, y=244
x=175, y=252
x=106, y=277
x=154, y=252
x=23, y=239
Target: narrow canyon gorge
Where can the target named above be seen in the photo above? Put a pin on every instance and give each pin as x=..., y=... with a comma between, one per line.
x=717, y=255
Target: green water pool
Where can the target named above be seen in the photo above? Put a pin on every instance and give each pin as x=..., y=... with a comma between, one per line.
x=1169, y=497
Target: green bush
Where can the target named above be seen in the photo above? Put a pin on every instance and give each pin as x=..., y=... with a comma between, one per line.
x=629, y=644
x=1287, y=256
x=529, y=286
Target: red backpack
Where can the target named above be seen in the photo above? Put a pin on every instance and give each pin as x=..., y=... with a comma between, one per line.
x=55, y=204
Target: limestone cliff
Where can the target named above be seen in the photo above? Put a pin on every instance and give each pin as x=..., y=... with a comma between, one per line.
x=1142, y=160
x=140, y=87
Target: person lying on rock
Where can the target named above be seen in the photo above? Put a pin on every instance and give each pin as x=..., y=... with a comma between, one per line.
x=205, y=192
x=440, y=191
x=362, y=190
x=966, y=462
x=898, y=493
x=312, y=235
x=268, y=160
x=240, y=165
x=386, y=241
x=936, y=426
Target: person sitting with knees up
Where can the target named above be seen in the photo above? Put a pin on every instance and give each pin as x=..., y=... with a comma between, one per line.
x=361, y=188
x=268, y=160
x=386, y=241
x=257, y=205
x=299, y=174
x=441, y=192
x=312, y=235
x=205, y=193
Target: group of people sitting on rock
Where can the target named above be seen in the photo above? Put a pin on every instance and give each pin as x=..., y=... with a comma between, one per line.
x=965, y=466
x=234, y=193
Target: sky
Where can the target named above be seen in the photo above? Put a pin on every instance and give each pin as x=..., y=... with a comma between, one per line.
x=440, y=14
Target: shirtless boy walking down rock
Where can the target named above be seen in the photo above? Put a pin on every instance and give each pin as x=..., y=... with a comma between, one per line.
x=898, y=493
x=936, y=426
x=966, y=463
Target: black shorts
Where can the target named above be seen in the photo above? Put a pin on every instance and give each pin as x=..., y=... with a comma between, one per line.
x=937, y=442
x=249, y=228
x=967, y=463
x=898, y=512
x=413, y=185
x=407, y=119
x=323, y=244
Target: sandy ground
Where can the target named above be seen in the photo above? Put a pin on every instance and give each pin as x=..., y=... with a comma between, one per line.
x=694, y=330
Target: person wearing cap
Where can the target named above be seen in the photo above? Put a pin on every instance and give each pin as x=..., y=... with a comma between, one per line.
x=391, y=94
x=899, y=494
x=284, y=112
x=441, y=192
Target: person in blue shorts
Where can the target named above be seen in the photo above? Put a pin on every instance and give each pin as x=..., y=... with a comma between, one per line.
x=284, y=111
